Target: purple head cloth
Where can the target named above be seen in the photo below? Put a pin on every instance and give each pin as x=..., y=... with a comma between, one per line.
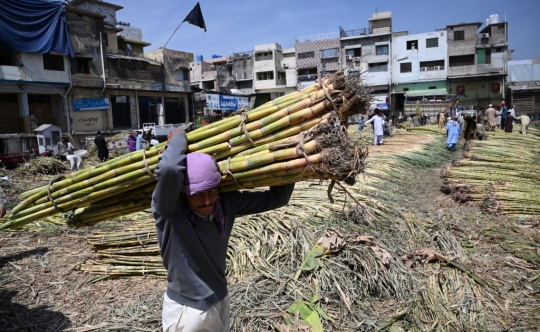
x=202, y=173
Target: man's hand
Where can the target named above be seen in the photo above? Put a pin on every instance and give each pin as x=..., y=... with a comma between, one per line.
x=172, y=133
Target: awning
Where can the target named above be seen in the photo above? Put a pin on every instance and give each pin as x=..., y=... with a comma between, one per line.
x=429, y=92
x=524, y=87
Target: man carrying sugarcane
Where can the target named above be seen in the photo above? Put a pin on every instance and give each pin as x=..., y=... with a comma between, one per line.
x=194, y=222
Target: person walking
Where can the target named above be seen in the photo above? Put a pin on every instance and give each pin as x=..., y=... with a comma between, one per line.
x=139, y=141
x=378, y=130
x=509, y=123
x=361, y=124
x=504, y=112
x=441, y=120
x=132, y=141
x=65, y=146
x=525, y=121
x=194, y=222
x=3, y=202
x=101, y=144
x=491, y=115
x=452, y=132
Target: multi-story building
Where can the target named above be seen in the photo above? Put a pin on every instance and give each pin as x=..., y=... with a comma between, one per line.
x=34, y=76
x=477, y=61
x=316, y=56
x=419, y=63
x=121, y=88
x=289, y=65
x=367, y=52
x=242, y=72
x=270, y=72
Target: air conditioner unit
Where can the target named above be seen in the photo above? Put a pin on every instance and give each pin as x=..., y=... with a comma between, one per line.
x=349, y=57
x=436, y=67
x=484, y=35
x=423, y=68
x=285, y=65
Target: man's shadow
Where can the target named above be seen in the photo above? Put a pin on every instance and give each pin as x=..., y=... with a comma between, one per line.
x=17, y=317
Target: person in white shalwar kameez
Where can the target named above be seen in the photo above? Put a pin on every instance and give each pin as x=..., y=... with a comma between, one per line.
x=378, y=131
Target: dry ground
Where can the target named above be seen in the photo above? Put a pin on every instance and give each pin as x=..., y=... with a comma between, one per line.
x=41, y=288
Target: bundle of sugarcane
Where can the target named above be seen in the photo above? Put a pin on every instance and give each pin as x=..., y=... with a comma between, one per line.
x=499, y=174
x=287, y=140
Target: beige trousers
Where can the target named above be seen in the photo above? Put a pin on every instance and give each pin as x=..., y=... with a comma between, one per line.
x=177, y=317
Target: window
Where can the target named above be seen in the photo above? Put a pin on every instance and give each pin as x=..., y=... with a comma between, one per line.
x=461, y=60
x=483, y=56
x=324, y=73
x=7, y=57
x=412, y=44
x=329, y=53
x=432, y=65
x=432, y=42
x=182, y=74
x=53, y=62
x=405, y=67
x=306, y=55
x=83, y=66
x=459, y=35
x=381, y=49
x=378, y=67
x=354, y=73
x=432, y=87
x=354, y=52
x=244, y=84
x=265, y=75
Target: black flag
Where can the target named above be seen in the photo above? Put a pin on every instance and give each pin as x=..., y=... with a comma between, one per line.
x=195, y=17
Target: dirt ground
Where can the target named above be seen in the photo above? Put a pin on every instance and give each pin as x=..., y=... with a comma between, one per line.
x=42, y=289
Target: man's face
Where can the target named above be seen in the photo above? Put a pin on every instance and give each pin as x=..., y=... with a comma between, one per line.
x=203, y=202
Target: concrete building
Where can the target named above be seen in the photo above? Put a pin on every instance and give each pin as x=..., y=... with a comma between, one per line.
x=367, y=52
x=121, y=88
x=270, y=72
x=289, y=65
x=419, y=70
x=242, y=72
x=523, y=89
x=477, y=61
x=316, y=56
x=33, y=88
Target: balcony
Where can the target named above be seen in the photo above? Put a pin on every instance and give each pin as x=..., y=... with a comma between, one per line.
x=308, y=77
x=354, y=32
x=136, y=69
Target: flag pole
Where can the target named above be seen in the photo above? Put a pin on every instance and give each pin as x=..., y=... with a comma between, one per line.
x=173, y=34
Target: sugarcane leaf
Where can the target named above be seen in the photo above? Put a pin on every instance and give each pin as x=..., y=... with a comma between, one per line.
x=301, y=307
x=314, y=321
x=323, y=313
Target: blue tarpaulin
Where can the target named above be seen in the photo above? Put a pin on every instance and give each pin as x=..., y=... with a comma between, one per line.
x=34, y=26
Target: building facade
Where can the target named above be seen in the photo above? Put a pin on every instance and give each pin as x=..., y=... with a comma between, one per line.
x=420, y=70
x=316, y=56
x=477, y=62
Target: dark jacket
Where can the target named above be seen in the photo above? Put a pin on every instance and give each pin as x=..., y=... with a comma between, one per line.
x=193, y=249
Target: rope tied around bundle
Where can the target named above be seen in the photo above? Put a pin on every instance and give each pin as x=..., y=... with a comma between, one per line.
x=230, y=175
x=49, y=196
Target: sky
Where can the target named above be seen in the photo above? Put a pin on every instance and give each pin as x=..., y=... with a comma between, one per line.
x=239, y=25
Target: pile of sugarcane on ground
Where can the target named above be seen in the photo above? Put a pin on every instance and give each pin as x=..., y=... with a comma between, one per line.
x=501, y=174
x=290, y=139
x=275, y=267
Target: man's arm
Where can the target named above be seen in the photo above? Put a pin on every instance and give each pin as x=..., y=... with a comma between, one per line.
x=170, y=177
x=369, y=121
x=258, y=202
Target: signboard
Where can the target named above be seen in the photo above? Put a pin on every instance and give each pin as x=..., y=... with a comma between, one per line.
x=121, y=99
x=90, y=104
x=382, y=106
x=225, y=103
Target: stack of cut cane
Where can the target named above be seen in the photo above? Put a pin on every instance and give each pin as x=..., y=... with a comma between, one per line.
x=289, y=139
